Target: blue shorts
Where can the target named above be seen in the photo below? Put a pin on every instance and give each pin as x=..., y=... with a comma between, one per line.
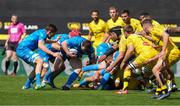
x=44, y=56
x=115, y=55
x=27, y=54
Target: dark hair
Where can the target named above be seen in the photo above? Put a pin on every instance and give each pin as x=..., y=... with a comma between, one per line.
x=97, y=11
x=87, y=44
x=147, y=21
x=128, y=29
x=116, y=30
x=51, y=27
x=125, y=11
x=144, y=14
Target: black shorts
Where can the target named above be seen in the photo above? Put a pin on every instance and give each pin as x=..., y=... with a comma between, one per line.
x=12, y=46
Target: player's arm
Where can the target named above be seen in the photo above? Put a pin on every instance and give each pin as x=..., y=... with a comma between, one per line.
x=89, y=36
x=128, y=54
x=53, y=41
x=106, y=38
x=65, y=48
x=116, y=62
x=56, y=46
x=23, y=32
x=45, y=49
x=165, y=37
x=106, y=54
x=6, y=43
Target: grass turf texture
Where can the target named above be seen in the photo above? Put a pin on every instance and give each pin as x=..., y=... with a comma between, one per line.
x=11, y=94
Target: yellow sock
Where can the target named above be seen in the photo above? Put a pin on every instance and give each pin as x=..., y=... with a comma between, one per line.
x=163, y=87
x=158, y=90
x=125, y=85
x=126, y=77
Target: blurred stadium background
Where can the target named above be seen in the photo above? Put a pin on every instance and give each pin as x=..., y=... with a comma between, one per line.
x=36, y=14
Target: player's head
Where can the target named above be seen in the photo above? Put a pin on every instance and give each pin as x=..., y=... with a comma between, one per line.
x=14, y=18
x=113, y=12
x=125, y=16
x=115, y=33
x=143, y=16
x=147, y=25
x=95, y=15
x=51, y=30
x=86, y=46
x=128, y=29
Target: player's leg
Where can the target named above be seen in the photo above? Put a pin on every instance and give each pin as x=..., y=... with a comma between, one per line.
x=44, y=74
x=93, y=67
x=8, y=57
x=38, y=66
x=137, y=63
x=59, y=67
x=29, y=80
x=173, y=57
x=105, y=77
x=77, y=65
x=160, y=79
x=15, y=60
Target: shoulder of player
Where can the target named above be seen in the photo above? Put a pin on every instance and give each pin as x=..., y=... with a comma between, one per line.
x=133, y=36
x=20, y=24
x=154, y=22
x=134, y=20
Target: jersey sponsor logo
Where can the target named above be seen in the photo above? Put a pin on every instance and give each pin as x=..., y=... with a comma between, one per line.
x=146, y=44
x=14, y=30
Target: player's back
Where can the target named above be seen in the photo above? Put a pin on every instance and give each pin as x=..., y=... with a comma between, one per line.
x=102, y=48
x=136, y=25
x=140, y=43
x=157, y=34
x=75, y=42
x=63, y=37
x=31, y=41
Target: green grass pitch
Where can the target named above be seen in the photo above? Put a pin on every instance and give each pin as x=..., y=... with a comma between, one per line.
x=11, y=94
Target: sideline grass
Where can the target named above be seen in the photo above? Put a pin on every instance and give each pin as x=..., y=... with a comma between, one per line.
x=11, y=94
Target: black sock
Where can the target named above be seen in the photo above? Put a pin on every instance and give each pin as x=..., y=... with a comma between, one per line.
x=162, y=79
x=15, y=66
x=7, y=65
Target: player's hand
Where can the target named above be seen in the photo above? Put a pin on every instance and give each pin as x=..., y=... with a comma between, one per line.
x=101, y=58
x=108, y=69
x=86, y=63
x=6, y=45
x=142, y=33
x=71, y=55
x=56, y=55
x=122, y=65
